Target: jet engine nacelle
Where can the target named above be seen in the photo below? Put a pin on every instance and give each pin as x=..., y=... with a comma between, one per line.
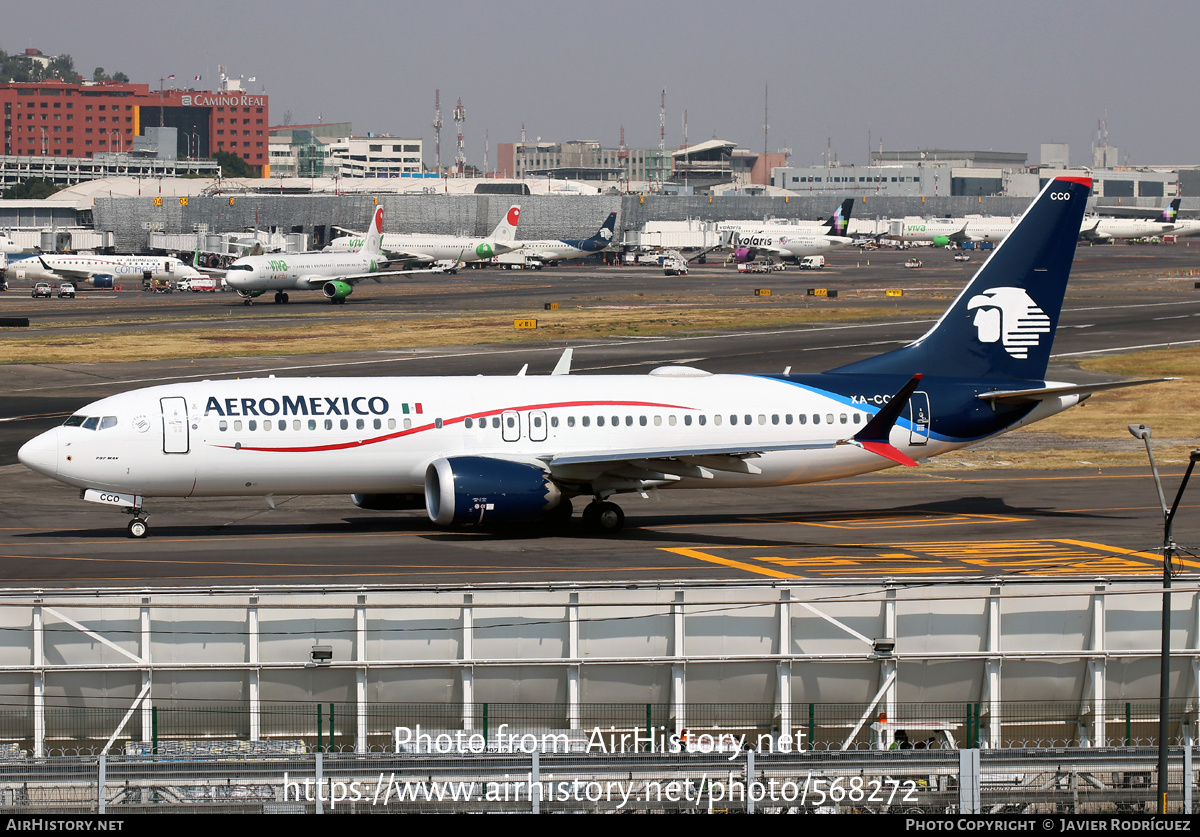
x=742, y=255
x=941, y=240
x=479, y=490
x=337, y=290
x=388, y=502
x=102, y=280
x=249, y=294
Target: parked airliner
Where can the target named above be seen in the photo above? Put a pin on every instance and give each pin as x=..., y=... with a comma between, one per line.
x=335, y=274
x=100, y=271
x=496, y=450
x=553, y=250
x=791, y=243
x=418, y=249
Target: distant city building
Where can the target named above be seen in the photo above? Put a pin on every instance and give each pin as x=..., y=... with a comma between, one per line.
x=332, y=150
x=582, y=160
x=303, y=150
x=54, y=119
x=375, y=156
x=697, y=167
x=941, y=172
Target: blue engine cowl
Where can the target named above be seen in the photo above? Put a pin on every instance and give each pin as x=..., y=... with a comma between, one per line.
x=478, y=490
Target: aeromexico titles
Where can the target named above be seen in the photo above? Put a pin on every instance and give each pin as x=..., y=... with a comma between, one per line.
x=500, y=450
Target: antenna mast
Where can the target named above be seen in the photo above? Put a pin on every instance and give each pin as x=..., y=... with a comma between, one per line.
x=460, y=159
x=766, y=121
x=437, y=130
x=662, y=138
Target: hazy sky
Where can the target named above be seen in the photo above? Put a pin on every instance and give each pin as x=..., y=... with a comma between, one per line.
x=1001, y=76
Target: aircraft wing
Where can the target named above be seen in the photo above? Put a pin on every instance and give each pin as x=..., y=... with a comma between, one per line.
x=74, y=274
x=407, y=257
x=1018, y=396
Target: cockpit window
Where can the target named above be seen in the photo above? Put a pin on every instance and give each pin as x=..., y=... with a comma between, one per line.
x=241, y=267
x=91, y=422
x=107, y=422
x=74, y=421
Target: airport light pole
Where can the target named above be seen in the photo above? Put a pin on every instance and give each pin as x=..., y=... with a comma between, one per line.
x=1142, y=431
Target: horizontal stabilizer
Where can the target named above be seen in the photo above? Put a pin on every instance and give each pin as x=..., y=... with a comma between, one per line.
x=875, y=437
x=1018, y=396
x=879, y=428
x=888, y=452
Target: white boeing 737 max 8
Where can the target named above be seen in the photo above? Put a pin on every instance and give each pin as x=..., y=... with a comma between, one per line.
x=496, y=450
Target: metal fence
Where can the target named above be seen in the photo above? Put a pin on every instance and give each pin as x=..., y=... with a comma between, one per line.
x=755, y=780
x=183, y=727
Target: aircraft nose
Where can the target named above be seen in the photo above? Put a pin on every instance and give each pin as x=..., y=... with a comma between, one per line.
x=41, y=453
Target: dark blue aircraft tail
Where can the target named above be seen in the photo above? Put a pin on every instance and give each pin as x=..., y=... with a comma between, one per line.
x=839, y=221
x=1002, y=324
x=604, y=235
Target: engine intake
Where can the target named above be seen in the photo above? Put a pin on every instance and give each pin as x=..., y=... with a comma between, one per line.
x=478, y=490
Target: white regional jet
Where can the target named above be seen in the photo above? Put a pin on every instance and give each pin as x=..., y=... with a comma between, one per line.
x=490, y=451
x=421, y=249
x=335, y=274
x=100, y=271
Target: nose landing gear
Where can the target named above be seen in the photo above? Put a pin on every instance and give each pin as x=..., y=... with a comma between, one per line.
x=138, y=527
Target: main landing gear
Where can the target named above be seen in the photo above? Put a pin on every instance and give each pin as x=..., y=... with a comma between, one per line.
x=138, y=527
x=601, y=517
x=280, y=296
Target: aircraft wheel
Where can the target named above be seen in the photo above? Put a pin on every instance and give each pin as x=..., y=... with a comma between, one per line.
x=285, y=299
x=278, y=297
x=138, y=528
x=603, y=518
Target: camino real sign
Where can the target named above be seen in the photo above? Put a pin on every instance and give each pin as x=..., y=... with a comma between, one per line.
x=212, y=100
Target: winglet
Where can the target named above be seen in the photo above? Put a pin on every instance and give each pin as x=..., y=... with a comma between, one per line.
x=563, y=367
x=875, y=437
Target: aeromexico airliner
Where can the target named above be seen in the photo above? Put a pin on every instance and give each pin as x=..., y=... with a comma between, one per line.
x=553, y=250
x=496, y=450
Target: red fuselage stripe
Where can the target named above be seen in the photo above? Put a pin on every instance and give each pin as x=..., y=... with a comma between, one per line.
x=485, y=414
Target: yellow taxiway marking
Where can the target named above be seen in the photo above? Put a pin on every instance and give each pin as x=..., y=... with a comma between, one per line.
x=737, y=565
x=1062, y=556
x=884, y=520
